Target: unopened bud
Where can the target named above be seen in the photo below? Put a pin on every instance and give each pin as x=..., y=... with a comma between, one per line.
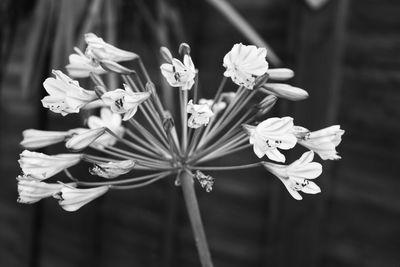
x=115, y=67
x=280, y=74
x=168, y=121
x=84, y=139
x=184, y=49
x=285, y=91
x=166, y=54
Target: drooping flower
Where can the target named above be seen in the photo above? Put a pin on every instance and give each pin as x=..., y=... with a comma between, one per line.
x=112, y=169
x=42, y=166
x=80, y=66
x=112, y=121
x=98, y=49
x=84, y=138
x=244, y=63
x=206, y=181
x=65, y=95
x=217, y=107
x=296, y=176
x=201, y=114
x=124, y=101
x=31, y=190
x=323, y=142
x=72, y=199
x=34, y=139
x=270, y=135
x=179, y=74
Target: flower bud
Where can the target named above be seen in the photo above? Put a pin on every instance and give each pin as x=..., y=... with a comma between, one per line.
x=285, y=91
x=166, y=54
x=168, y=121
x=184, y=49
x=84, y=139
x=115, y=67
x=280, y=74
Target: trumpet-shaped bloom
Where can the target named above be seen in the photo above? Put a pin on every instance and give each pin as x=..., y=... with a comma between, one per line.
x=217, y=107
x=179, y=74
x=296, y=176
x=65, y=95
x=112, y=121
x=323, y=142
x=42, y=166
x=201, y=114
x=84, y=138
x=72, y=199
x=112, y=169
x=270, y=135
x=34, y=139
x=124, y=101
x=99, y=50
x=31, y=190
x=244, y=63
x=80, y=66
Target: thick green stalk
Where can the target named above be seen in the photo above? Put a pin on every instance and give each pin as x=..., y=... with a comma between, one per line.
x=192, y=207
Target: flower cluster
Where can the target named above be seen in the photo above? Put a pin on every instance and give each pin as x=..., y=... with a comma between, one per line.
x=117, y=144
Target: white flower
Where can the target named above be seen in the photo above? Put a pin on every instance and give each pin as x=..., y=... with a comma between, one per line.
x=219, y=106
x=179, y=74
x=34, y=139
x=124, y=101
x=244, y=63
x=112, y=121
x=65, y=95
x=201, y=114
x=112, y=169
x=80, y=66
x=85, y=138
x=323, y=142
x=72, y=199
x=42, y=166
x=270, y=135
x=99, y=50
x=31, y=190
x=295, y=176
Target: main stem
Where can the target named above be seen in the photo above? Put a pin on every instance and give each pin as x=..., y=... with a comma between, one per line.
x=192, y=207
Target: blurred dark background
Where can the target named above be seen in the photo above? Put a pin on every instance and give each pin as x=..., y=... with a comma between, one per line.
x=345, y=54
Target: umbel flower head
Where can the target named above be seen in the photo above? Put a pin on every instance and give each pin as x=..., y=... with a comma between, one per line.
x=119, y=145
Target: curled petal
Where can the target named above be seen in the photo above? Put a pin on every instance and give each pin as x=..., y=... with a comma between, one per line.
x=72, y=199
